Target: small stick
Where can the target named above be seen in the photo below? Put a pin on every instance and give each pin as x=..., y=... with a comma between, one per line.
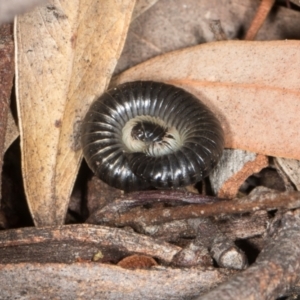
x=251, y=203
x=222, y=249
x=259, y=18
x=276, y=270
x=135, y=199
x=226, y=254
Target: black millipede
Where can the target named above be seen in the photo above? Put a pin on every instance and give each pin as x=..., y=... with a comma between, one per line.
x=144, y=133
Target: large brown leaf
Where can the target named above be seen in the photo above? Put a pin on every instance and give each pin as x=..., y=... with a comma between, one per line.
x=66, y=53
x=253, y=87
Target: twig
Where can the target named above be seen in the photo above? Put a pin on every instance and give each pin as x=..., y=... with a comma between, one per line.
x=251, y=203
x=222, y=249
x=136, y=199
x=260, y=17
x=234, y=227
x=100, y=281
x=71, y=242
x=227, y=255
x=276, y=270
x=210, y=238
x=193, y=255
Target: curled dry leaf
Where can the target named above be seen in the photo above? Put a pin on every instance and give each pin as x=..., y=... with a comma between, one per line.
x=66, y=53
x=253, y=87
x=234, y=167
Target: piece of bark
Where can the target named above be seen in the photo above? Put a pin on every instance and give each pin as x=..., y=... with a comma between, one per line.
x=99, y=281
x=276, y=270
x=265, y=200
x=72, y=242
x=6, y=82
x=291, y=168
x=234, y=167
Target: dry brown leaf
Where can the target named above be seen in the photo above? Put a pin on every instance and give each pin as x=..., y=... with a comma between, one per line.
x=66, y=53
x=141, y=6
x=172, y=25
x=253, y=87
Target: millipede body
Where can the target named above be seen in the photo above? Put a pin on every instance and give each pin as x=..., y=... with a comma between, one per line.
x=146, y=133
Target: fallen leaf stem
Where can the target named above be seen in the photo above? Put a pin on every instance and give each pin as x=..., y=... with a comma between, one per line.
x=259, y=18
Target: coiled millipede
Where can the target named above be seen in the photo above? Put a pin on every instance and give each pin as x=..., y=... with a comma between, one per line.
x=146, y=133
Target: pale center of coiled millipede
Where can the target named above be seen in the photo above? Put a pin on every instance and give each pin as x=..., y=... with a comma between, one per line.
x=150, y=135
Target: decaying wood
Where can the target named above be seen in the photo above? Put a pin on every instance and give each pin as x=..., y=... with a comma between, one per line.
x=78, y=242
x=100, y=281
x=6, y=82
x=276, y=270
x=255, y=201
x=234, y=167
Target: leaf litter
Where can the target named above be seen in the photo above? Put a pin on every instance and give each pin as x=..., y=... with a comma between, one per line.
x=230, y=69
